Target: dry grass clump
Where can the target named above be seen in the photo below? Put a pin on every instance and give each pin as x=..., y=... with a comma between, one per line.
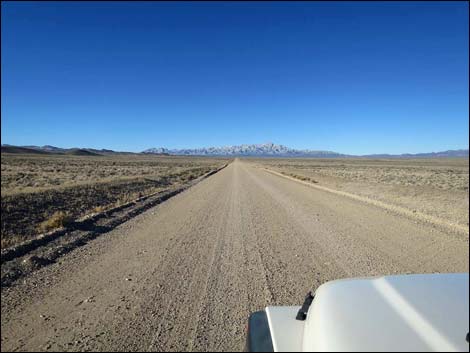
x=7, y=242
x=59, y=219
x=99, y=209
x=302, y=177
x=126, y=198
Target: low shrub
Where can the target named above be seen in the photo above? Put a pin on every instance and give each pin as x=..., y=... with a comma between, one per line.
x=57, y=220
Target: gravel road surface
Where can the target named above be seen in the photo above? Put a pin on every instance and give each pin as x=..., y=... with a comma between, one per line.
x=185, y=274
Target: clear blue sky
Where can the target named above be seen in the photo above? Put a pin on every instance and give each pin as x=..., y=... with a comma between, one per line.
x=349, y=77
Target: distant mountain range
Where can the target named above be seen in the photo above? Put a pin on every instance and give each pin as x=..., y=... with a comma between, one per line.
x=448, y=153
x=261, y=150
x=273, y=150
x=57, y=150
x=254, y=150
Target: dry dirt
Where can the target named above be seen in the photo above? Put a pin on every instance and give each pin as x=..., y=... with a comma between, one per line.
x=185, y=275
x=436, y=187
x=34, y=187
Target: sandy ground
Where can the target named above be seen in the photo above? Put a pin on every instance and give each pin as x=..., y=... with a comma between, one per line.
x=185, y=274
x=437, y=187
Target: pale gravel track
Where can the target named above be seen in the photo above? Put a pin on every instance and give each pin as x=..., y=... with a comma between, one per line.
x=199, y=263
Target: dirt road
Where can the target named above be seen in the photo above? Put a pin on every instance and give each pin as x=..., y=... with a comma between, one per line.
x=185, y=274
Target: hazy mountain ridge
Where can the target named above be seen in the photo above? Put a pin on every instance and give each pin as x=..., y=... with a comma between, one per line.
x=270, y=149
x=267, y=149
x=6, y=148
x=448, y=153
x=255, y=150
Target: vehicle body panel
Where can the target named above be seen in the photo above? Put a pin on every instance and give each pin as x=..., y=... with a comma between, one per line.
x=392, y=313
x=282, y=319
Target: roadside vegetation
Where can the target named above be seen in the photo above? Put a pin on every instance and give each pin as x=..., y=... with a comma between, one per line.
x=434, y=186
x=44, y=192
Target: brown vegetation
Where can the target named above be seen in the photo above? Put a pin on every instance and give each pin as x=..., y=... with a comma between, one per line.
x=434, y=186
x=57, y=220
x=40, y=192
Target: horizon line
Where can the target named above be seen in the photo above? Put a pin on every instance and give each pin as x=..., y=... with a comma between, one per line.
x=246, y=144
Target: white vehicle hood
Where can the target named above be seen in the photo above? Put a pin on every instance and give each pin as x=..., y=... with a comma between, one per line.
x=392, y=313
